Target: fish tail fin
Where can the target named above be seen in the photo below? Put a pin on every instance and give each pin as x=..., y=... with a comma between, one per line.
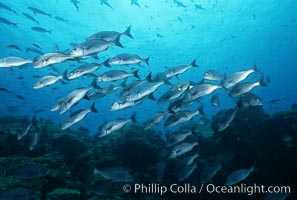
x=128, y=32
x=193, y=63
x=239, y=103
x=65, y=76
x=151, y=97
x=93, y=108
x=94, y=84
x=135, y=73
x=124, y=83
x=167, y=82
x=108, y=5
x=146, y=60
x=149, y=78
x=15, y=24
x=255, y=68
x=261, y=82
x=50, y=31
x=117, y=42
x=105, y=63
x=225, y=77
x=133, y=117
x=224, y=86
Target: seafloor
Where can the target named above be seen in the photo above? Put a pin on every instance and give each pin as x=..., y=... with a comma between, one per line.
x=70, y=155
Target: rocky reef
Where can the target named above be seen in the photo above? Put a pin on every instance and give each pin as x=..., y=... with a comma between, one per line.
x=72, y=157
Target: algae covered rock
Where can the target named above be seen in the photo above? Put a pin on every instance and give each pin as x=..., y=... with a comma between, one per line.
x=64, y=194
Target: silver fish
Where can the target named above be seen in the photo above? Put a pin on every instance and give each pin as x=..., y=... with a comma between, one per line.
x=182, y=86
x=213, y=75
x=77, y=116
x=223, y=119
x=238, y=77
x=5, y=7
x=83, y=70
x=115, y=125
x=35, y=50
x=182, y=117
x=243, y=88
x=38, y=11
x=177, y=105
x=105, y=2
x=103, y=91
x=239, y=175
x=41, y=30
x=30, y=17
x=186, y=171
x=175, y=71
x=75, y=3
x=26, y=130
x=140, y=91
x=115, y=75
x=13, y=61
x=249, y=99
x=209, y=172
x=178, y=137
x=190, y=159
x=61, y=19
x=110, y=35
x=128, y=87
x=50, y=59
x=48, y=80
x=119, y=105
x=171, y=94
x=181, y=149
x=28, y=171
x=161, y=76
x=7, y=22
x=34, y=140
x=65, y=103
x=91, y=47
x=200, y=90
x=116, y=173
x=126, y=59
x=155, y=119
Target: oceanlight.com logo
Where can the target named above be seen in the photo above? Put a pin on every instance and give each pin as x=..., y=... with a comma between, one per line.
x=187, y=188
x=247, y=189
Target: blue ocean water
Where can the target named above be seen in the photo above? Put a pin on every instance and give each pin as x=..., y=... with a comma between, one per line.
x=224, y=35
